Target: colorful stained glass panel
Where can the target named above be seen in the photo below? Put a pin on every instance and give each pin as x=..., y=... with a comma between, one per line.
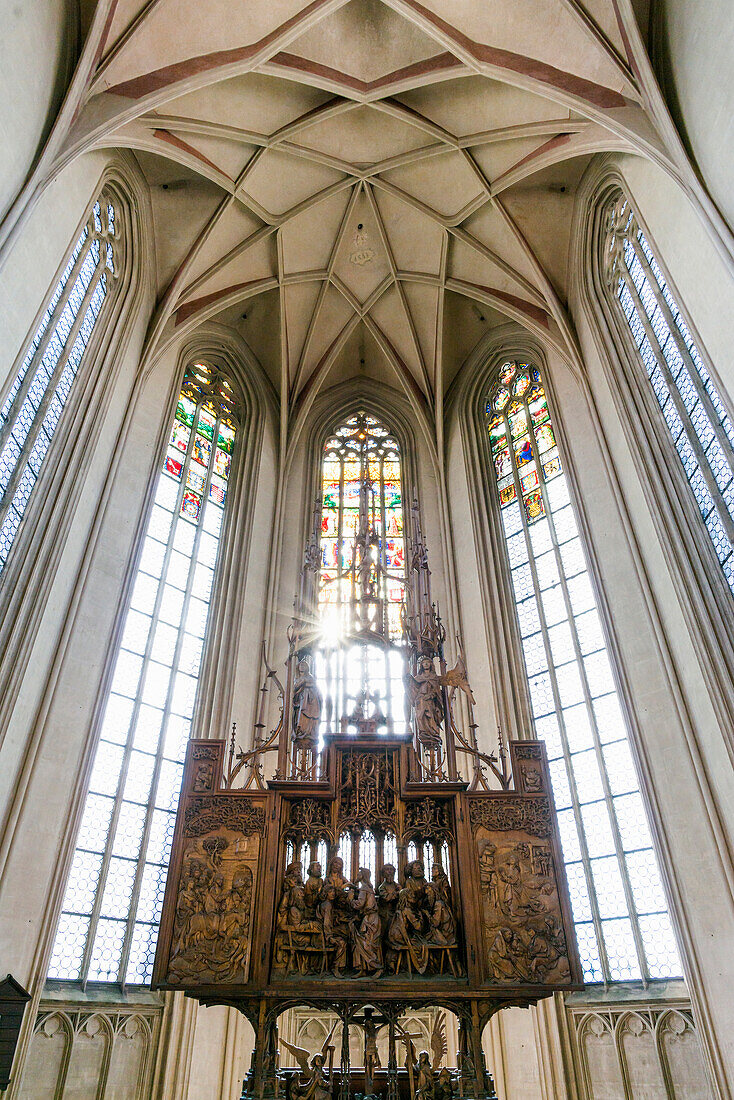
x=180, y=437
x=503, y=463
x=523, y=451
x=202, y=450
x=173, y=466
x=546, y=439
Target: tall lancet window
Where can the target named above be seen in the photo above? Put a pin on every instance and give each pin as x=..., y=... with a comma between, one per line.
x=693, y=411
x=361, y=576
x=38, y=394
x=109, y=921
x=619, y=905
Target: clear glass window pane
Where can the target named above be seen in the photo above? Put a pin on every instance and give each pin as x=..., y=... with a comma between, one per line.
x=673, y=363
x=35, y=400
x=573, y=698
x=136, y=778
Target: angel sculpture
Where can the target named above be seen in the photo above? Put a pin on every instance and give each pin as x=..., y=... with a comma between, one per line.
x=439, y=1049
x=424, y=694
x=457, y=677
x=316, y=1082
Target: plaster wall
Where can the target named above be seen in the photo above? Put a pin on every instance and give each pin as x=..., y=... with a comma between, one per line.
x=467, y=549
x=694, y=42
x=37, y=49
x=220, y=1057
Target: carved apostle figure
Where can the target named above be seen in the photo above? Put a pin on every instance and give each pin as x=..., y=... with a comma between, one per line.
x=313, y=890
x=423, y=691
x=441, y=923
x=307, y=704
x=335, y=904
x=441, y=884
x=366, y=935
x=291, y=913
x=387, y=895
x=405, y=933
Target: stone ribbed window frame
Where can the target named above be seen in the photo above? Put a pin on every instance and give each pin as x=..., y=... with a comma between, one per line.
x=72, y=324
x=585, y=885
x=154, y=812
x=692, y=410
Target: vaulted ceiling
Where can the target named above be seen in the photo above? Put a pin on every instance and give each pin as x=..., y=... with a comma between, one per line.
x=364, y=185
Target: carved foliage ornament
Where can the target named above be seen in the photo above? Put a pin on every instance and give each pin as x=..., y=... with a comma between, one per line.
x=532, y=815
x=367, y=791
x=203, y=815
x=429, y=819
x=307, y=816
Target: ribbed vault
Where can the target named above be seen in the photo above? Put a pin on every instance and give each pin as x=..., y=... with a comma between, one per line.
x=363, y=185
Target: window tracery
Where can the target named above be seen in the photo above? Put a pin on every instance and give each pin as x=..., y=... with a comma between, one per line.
x=359, y=656
x=40, y=390
x=693, y=412
x=618, y=902
x=109, y=922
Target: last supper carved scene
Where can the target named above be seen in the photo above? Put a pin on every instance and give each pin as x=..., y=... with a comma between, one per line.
x=370, y=860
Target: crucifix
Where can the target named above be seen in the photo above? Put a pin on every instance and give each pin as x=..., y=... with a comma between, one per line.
x=371, y=1024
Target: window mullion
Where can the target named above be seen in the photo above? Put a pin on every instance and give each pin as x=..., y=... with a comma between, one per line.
x=575, y=803
x=51, y=328
x=137, y=883
x=48, y=396
x=339, y=538
x=619, y=850
x=691, y=435
x=137, y=703
x=703, y=394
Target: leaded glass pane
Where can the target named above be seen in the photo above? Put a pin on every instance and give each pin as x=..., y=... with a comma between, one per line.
x=37, y=395
x=119, y=868
x=361, y=511
x=692, y=408
x=613, y=876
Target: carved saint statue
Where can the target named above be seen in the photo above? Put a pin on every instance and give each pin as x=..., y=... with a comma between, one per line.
x=335, y=912
x=307, y=704
x=405, y=934
x=366, y=935
x=423, y=691
x=387, y=895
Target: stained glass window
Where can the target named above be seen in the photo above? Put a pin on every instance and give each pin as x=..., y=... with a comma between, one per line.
x=39, y=391
x=693, y=411
x=619, y=908
x=109, y=922
x=361, y=577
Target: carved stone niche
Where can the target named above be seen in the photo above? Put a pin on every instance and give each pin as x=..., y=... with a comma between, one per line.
x=13, y=999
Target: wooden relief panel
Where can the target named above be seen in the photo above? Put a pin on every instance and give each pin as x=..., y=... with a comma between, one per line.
x=526, y=925
x=212, y=889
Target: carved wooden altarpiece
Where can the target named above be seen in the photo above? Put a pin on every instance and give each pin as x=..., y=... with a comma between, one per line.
x=367, y=878
x=246, y=924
